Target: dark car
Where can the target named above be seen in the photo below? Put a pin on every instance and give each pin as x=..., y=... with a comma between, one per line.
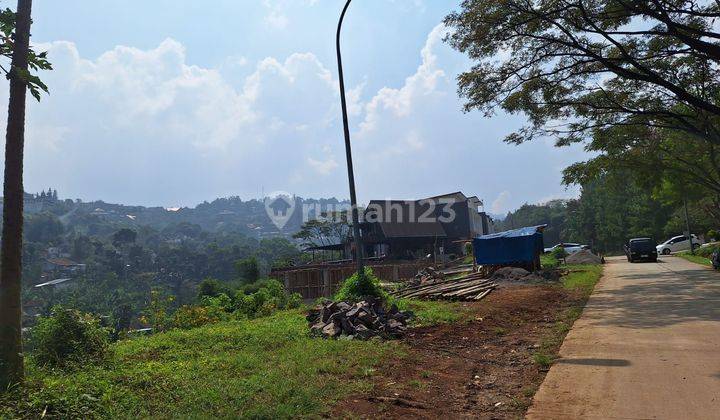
x=641, y=249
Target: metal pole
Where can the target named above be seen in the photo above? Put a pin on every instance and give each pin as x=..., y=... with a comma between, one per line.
x=687, y=227
x=348, y=151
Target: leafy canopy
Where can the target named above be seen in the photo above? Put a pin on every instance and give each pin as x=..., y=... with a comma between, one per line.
x=36, y=61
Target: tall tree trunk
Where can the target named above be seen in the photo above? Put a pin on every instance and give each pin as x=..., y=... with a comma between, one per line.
x=11, y=354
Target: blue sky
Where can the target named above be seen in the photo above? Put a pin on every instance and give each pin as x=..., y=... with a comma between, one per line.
x=175, y=102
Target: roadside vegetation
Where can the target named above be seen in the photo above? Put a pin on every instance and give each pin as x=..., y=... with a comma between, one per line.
x=579, y=279
x=265, y=366
x=702, y=255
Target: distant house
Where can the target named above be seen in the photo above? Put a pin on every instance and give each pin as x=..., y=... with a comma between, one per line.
x=438, y=225
x=63, y=266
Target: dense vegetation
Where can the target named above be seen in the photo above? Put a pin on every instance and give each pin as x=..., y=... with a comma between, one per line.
x=610, y=210
x=636, y=83
x=134, y=255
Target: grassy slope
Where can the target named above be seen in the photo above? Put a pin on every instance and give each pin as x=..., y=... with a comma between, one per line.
x=582, y=279
x=266, y=368
x=702, y=255
x=698, y=259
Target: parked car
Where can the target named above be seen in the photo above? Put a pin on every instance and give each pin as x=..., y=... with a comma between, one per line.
x=678, y=243
x=639, y=249
x=569, y=247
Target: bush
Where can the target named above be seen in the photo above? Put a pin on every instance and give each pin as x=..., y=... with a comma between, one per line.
x=713, y=235
x=268, y=298
x=559, y=253
x=248, y=269
x=212, y=288
x=357, y=288
x=196, y=316
x=68, y=338
x=706, y=251
x=156, y=315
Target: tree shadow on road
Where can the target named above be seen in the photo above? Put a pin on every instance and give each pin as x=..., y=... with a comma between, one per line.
x=658, y=298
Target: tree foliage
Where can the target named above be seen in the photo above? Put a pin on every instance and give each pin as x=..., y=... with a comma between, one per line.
x=36, y=61
x=636, y=80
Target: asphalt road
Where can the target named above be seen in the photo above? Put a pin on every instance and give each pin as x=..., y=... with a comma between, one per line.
x=646, y=347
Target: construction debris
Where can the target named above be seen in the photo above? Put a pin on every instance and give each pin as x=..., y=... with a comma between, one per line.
x=584, y=256
x=362, y=320
x=471, y=287
x=427, y=275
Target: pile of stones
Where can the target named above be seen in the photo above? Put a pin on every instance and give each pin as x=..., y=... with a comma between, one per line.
x=362, y=320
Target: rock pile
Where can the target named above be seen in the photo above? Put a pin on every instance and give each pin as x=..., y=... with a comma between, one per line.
x=584, y=256
x=362, y=320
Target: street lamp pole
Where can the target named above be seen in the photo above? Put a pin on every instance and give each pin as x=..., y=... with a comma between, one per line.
x=348, y=151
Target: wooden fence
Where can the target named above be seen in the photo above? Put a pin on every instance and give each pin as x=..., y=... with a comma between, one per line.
x=316, y=281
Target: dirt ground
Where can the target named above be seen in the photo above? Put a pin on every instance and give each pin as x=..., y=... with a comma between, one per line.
x=481, y=368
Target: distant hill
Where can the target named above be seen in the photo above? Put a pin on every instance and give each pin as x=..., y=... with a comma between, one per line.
x=231, y=214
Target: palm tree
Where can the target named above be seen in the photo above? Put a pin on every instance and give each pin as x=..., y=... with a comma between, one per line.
x=11, y=357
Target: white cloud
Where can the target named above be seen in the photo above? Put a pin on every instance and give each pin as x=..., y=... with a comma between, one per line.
x=147, y=127
x=501, y=203
x=399, y=102
x=323, y=167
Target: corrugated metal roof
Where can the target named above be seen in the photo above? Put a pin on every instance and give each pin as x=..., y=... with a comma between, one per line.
x=52, y=283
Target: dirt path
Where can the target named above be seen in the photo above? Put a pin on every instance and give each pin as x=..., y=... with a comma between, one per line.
x=647, y=346
x=478, y=368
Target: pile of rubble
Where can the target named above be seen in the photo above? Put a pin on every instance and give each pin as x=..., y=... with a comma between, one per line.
x=427, y=275
x=362, y=320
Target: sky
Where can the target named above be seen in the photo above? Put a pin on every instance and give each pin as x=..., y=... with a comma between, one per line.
x=172, y=103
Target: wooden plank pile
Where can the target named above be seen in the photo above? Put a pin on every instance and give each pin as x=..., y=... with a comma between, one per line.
x=470, y=287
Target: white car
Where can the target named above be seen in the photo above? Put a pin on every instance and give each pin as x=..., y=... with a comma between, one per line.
x=678, y=243
x=570, y=248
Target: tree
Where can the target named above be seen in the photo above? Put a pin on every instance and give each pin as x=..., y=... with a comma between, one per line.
x=43, y=227
x=15, y=44
x=638, y=80
x=329, y=229
x=248, y=270
x=124, y=237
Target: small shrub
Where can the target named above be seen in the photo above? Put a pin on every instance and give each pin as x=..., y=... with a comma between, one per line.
x=212, y=288
x=542, y=360
x=559, y=253
x=357, y=287
x=188, y=317
x=294, y=301
x=248, y=269
x=713, y=235
x=156, y=315
x=266, y=300
x=68, y=338
x=706, y=251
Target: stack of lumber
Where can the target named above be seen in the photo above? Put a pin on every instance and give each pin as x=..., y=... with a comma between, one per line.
x=471, y=287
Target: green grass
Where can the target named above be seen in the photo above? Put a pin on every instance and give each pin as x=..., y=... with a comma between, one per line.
x=433, y=312
x=582, y=277
x=549, y=261
x=264, y=368
x=698, y=259
x=543, y=360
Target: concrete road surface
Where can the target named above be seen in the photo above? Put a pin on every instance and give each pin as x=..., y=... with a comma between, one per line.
x=646, y=347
